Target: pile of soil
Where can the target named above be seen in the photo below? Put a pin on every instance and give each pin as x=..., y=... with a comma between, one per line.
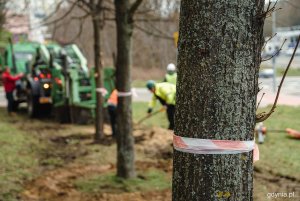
x=156, y=142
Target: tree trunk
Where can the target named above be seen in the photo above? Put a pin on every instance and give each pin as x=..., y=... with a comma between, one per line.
x=125, y=140
x=98, y=72
x=219, y=57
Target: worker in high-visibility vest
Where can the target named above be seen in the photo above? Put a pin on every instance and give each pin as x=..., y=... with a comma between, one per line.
x=171, y=75
x=112, y=103
x=166, y=93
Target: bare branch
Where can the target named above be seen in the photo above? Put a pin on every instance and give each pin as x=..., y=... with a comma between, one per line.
x=83, y=6
x=55, y=10
x=260, y=101
x=153, y=34
x=275, y=53
x=81, y=17
x=134, y=7
x=269, y=10
x=264, y=116
x=79, y=32
x=154, y=20
x=268, y=41
x=62, y=17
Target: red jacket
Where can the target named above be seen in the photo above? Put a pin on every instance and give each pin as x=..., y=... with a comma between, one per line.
x=9, y=81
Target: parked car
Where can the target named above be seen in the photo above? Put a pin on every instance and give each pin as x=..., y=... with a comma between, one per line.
x=266, y=73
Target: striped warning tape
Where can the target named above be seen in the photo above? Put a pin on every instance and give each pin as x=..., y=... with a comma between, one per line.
x=205, y=146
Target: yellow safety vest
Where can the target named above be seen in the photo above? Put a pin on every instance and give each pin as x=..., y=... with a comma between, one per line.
x=171, y=78
x=164, y=91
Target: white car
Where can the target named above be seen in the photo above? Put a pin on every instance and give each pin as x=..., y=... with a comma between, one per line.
x=266, y=73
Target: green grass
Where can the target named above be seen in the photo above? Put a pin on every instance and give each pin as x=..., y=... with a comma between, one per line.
x=142, y=83
x=280, y=71
x=291, y=72
x=140, y=110
x=280, y=154
x=17, y=159
x=139, y=83
x=109, y=183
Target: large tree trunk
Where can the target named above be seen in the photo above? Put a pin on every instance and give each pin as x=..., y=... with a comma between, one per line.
x=98, y=71
x=125, y=140
x=219, y=57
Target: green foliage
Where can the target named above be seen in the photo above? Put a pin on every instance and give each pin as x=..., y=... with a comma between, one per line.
x=109, y=183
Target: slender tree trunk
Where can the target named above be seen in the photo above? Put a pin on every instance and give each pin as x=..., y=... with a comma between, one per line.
x=98, y=71
x=125, y=140
x=219, y=57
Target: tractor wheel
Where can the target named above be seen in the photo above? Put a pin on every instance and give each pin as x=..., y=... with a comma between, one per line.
x=62, y=114
x=45, y=109
x=32, y=105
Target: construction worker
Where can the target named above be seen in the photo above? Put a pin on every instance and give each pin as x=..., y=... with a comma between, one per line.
x=164, y=92
x=112, y=110
x=9, y=83
x=171, y=75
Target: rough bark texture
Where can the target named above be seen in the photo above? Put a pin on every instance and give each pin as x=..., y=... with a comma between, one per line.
x=218, y=63
x=125, y=140
x=98, y=71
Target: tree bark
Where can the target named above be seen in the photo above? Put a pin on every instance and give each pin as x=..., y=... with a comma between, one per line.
x=98, y=72
x=125, y=140
x=219, y=56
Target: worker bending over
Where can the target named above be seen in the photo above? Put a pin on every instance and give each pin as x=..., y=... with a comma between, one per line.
x=171, y=75
x=166, y=94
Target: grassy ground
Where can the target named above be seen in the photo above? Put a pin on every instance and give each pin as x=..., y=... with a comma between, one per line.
x=279, y=153
x=142, y=83
x=291, y=72
x=109, y=183
x=65, y=156
x=280, y=71
x=140, y=111
x=17, y=156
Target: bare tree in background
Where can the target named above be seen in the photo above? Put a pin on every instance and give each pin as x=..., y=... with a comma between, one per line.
x=152, y=43
x=95, y=8
x=2, y=12
x=125, y=11
x=218, y=63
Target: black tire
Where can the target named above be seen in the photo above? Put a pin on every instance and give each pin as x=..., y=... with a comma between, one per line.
x=45, y=109
x=62, y=114
x=33, y=105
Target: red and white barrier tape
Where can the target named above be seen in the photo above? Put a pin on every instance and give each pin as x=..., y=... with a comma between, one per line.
x=205, y=146
x=129, y=93
x=103, y=91
x=124, y=94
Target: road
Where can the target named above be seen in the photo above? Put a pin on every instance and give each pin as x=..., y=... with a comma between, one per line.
x=282, y=61
x=2, y=97
x=290, y=92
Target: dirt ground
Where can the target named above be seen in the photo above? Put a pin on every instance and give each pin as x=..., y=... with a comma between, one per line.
x=70, y=144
